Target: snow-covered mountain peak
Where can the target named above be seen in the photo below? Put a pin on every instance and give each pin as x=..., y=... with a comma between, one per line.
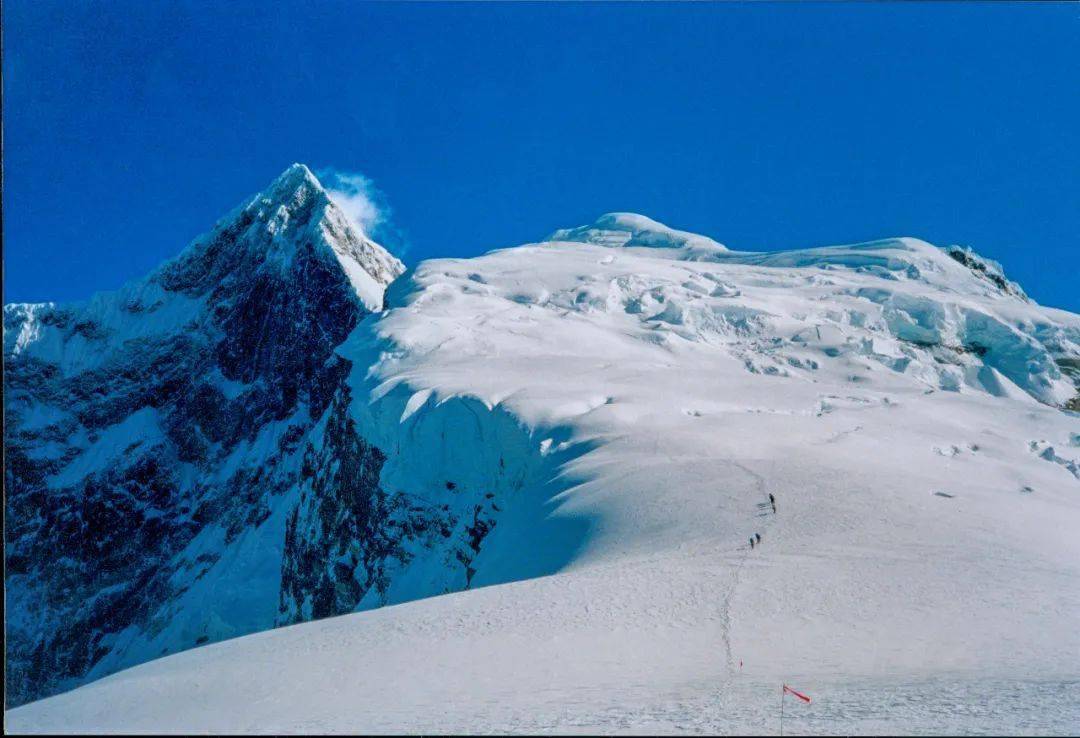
x=294, y=184
x=167, y=415
x=629, y=230
x=295, y=176
x=294, y=215
x=952, y=270
x=294, y=199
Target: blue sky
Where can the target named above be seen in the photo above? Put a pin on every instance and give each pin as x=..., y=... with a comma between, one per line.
x=129, y=127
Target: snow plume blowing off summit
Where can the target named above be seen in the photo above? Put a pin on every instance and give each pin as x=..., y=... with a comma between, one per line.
x=572, y=443
x=365, y=205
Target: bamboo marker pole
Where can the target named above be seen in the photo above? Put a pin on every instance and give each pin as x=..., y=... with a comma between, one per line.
x=781, y=709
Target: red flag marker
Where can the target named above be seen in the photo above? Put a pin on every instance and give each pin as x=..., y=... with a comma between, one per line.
x=800, y=695
x=784, y=691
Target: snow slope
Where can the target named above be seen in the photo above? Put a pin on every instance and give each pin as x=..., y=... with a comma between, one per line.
x=629, y=395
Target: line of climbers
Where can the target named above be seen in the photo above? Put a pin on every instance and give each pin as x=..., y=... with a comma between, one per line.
x=755, y=540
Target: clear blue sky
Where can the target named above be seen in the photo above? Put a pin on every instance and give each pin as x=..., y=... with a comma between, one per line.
x=129, y=127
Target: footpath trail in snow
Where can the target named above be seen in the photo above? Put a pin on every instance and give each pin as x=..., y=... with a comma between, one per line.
x=683, y=383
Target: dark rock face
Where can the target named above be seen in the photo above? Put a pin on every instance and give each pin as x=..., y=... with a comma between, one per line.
x=148, y=429
x=984, y=269
x=338, y=540
x=348, y=535
x=1070, y=367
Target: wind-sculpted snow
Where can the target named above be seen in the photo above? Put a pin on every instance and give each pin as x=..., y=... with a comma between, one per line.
x=585, y=433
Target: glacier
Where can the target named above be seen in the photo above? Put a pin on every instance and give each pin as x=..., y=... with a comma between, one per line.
x=524, y=483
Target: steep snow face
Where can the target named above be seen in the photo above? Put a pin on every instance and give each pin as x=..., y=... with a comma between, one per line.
x=604, y=417
x=154, y=436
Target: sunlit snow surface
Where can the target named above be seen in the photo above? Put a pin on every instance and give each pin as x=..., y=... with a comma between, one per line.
x=921, y=572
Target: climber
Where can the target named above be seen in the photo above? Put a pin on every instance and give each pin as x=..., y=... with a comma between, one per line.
x=751, y=543
x=758, y=537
